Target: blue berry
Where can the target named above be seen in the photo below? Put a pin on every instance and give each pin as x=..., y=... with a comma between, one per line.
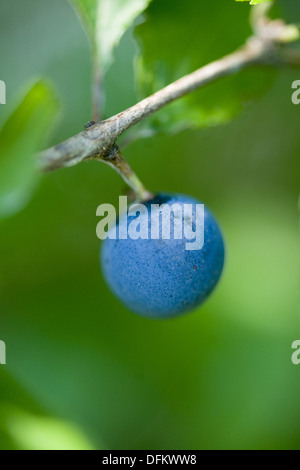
x=160, y=278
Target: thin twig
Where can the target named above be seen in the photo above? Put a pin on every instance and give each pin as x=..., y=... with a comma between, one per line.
x=98, y=141
x=97, y=92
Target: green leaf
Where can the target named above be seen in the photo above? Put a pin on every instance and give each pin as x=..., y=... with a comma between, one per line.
x=255, y=2
x=22, y=135
x=171, y=50
x=105, y=22
x=34, y=432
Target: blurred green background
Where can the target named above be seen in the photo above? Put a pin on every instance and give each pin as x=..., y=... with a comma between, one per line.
x=83, y=372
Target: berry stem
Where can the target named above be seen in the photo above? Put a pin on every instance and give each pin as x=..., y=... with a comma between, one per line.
x=116, y=160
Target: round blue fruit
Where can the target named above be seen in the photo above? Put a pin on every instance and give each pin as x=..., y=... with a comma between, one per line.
x=161, y=277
